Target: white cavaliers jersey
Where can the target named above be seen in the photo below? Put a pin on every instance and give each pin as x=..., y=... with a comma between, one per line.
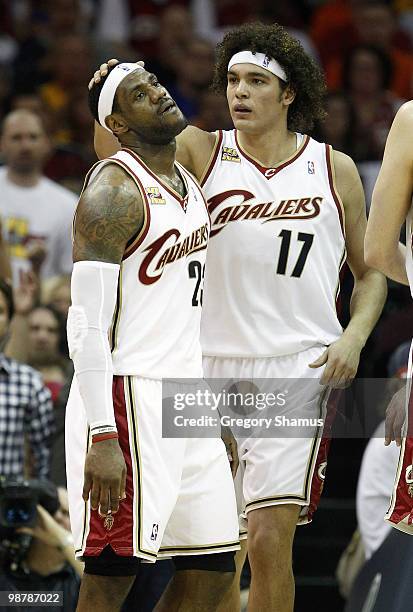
x=155, y=331
x=409, y=248
x=275, y=253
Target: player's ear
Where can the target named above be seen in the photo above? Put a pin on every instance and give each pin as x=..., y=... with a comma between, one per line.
x=116, y=123
x=288, y=95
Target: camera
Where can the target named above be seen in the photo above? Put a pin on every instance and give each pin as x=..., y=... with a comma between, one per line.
x=19, y=498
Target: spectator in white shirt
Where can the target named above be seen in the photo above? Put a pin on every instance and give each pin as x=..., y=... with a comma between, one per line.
x=36, y=213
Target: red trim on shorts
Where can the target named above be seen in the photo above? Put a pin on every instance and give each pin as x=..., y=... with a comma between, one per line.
x=120, y=536
x=320, y=468
x=211, y=164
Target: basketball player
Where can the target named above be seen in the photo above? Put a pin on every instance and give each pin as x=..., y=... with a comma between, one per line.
x=392, y=207
x=129, y=326
x=285, y=212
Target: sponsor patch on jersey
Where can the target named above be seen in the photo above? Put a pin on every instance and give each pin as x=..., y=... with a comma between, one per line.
x=230, y=154
x=155, y=196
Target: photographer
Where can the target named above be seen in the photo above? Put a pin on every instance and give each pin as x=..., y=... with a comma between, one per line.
x=38, y=556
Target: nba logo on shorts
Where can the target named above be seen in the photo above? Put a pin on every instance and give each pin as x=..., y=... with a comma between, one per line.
x=311, y=168
x=155, y=529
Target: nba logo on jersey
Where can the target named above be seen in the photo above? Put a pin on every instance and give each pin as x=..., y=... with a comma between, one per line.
x=155, y=529
x=311, y=168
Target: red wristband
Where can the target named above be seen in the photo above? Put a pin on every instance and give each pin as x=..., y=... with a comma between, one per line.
x=105, y=436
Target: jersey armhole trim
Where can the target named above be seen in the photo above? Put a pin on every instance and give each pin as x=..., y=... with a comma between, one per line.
x=212, y=159
x=333, y=188
x=136, y=240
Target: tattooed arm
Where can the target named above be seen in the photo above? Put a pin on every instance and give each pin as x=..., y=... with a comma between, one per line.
x=109, y=213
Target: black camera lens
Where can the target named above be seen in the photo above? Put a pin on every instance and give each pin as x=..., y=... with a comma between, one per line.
x=17, y=514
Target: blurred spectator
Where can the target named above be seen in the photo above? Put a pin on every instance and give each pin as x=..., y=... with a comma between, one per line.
x=39, y=25
x=171, y=47
x=71, y=62
x=213, y=113
x=25, y=408
x=58, y=454
x=363, y=22
x=70, y=162
x=194, y=75
x=366, y=78
x=44, y=353
x=150, y=20
x=41, y=558
x=337, y=127
x=214, y=17
x=56, y=293
x=37, y=214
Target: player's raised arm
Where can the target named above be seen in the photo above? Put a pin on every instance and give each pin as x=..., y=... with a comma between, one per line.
x=109, y=213
x=391, y=200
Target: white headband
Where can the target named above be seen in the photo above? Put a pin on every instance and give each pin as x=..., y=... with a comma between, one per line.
x=112, y=82
x=259, y=59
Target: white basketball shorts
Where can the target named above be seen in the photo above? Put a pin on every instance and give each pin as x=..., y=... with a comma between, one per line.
x=180, y=496
x=281, y=469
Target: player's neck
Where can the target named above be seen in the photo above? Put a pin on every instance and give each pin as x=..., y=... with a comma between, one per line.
x=159, y=158
x=269, y=148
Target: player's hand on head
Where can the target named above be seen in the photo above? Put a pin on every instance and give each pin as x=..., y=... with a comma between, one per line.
x=105, y=476
x=395, y=417
x=341, y=360
x=103, y=71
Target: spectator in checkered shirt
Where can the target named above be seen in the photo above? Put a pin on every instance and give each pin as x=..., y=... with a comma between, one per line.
x=26, y=411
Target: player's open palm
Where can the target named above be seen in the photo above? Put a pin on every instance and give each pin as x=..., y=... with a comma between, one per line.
x=341, y=360
x=105, y=476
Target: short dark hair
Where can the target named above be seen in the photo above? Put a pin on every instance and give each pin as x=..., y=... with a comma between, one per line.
x=7, y=291
x=303, y=74
x=94, y=94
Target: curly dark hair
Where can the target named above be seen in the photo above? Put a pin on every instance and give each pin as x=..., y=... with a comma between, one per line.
x=303, y=74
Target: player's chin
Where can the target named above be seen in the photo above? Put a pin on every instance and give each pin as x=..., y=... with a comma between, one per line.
x=244, y=124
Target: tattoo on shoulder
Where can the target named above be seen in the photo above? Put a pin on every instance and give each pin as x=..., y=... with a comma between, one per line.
x=109, y=213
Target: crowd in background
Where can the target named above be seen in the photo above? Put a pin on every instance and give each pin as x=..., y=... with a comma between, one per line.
x=48, y=52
